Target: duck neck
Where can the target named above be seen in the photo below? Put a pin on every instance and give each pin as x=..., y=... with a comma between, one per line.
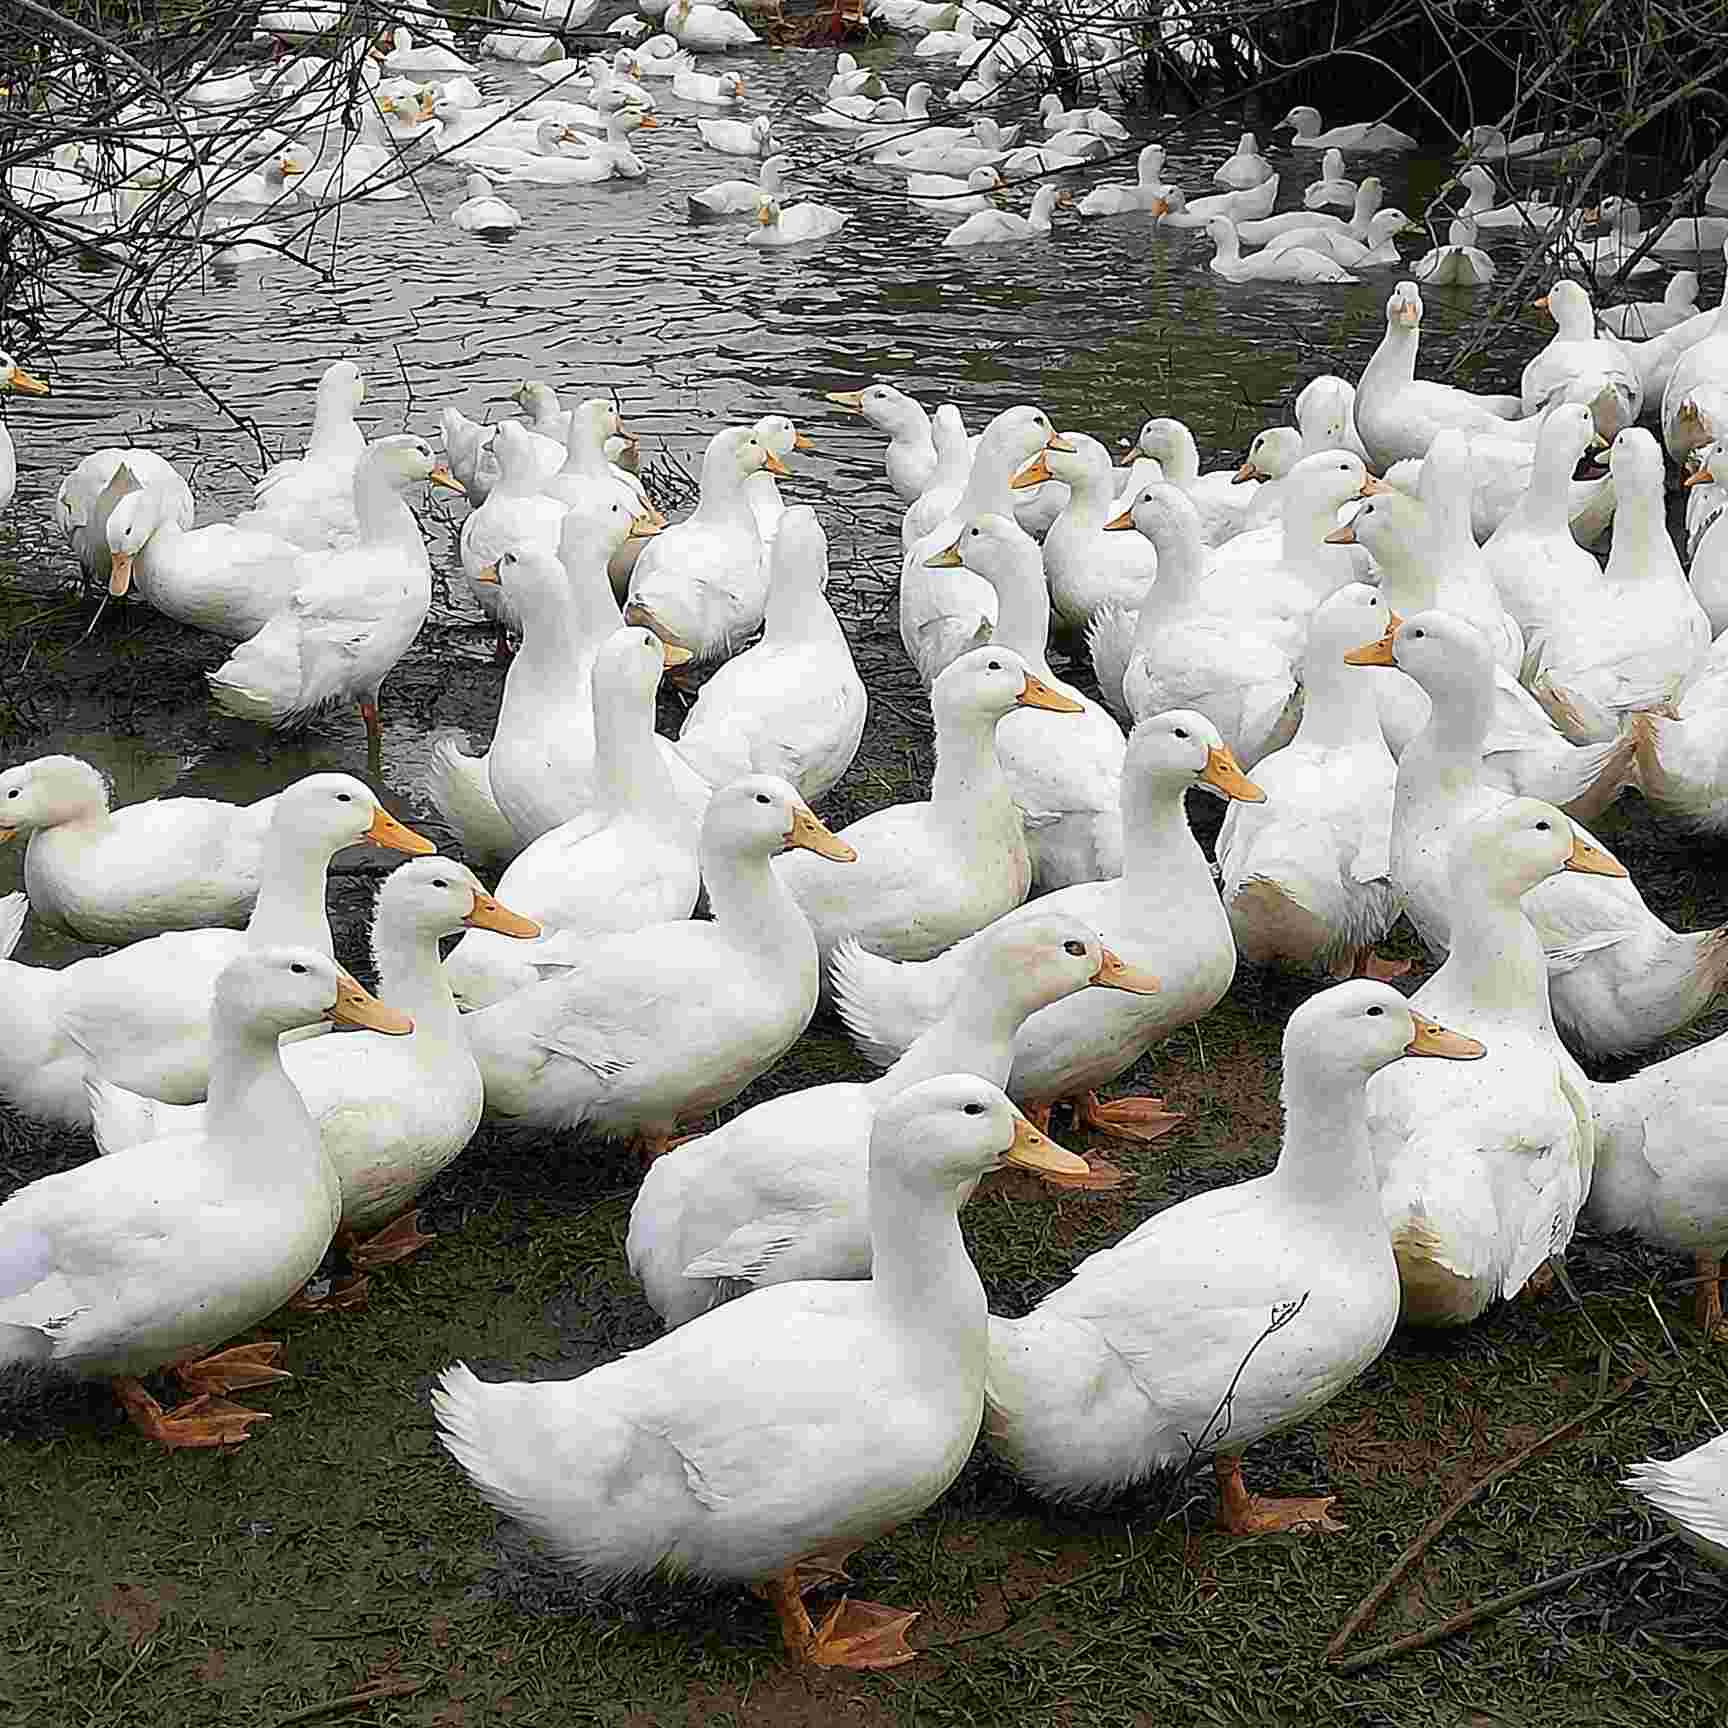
x=1640, y=548
x=925, y=1283
x=290, y=912
x=987, y=490
x=249, y=1089
x=1407, y=577
x=551, y=642
x=1023, y=614
x=753, y=907
x=723, y=501
x=798, y=610
x=968, y=782
x=1394, y=361
x=1327, y=1163
x=1446, y=756
x=629, y=771
x=1160, y=856
x=1547, y=498
x=381, y=511
x=332, y=419
x=975, y=1036
x=412, y=978
x=1181, y=567
x=1496, y=961
x=1340, y=708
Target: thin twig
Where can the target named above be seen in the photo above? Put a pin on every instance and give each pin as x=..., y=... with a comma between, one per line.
x=404, y=1687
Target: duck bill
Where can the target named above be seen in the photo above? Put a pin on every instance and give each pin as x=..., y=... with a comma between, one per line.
x=387, y=831
x=1035, y=693
x=851, y=400
x=1224, y=774
x=948, y=558
x=1121, y=522
x=1345, y=536
x=1540, y=303
x=1114, y=973
x=486, y=573
x=489, y=914
x=771, y=464
x=1057, y=442
x=1375, y=653
x=355, y=1005
x=119, y=573
x=1590, y=860
x=645, y=527
x=800, y=442
x=1034, y=1151
x=441, y=476
x=25, y=383
x=7, y=834
x=1698, y=477
x=1246, y=473
x=637, y=614
x=1372, y=486
x=1130, y=456
x=671, y=654
x=1407, y=314
x=1432, y=1040
x=1035, y=473
x=809, y=833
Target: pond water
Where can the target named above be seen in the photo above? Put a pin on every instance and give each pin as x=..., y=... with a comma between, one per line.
x=615, y=289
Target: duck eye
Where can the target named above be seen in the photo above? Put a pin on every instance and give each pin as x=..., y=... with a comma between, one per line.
x=13, y=793
x=973, y=1109
x=440, y=883
x=762, y=798
x=1181, y=731
x=344, y=797
x=1375, y=1010
x=1074, y=948
x=1543, y=827
x=298, y=968
x=995, y=665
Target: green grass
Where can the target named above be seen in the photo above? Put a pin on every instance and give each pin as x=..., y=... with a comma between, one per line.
x=338, y=1563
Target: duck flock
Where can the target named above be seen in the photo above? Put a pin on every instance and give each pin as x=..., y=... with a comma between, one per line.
x=1407, y=643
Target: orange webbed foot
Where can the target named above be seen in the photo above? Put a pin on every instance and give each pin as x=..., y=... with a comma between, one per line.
x=341, y=1295
x=396, y=1241
x=233, y=1370
x=1141, y=1119
x=201, y=1422
x=861, y=1635
x=1244, y=1514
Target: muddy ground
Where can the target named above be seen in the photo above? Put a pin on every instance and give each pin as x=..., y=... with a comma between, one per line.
x=338, y=1568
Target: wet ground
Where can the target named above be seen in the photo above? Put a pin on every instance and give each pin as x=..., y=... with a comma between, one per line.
x=337, y=1567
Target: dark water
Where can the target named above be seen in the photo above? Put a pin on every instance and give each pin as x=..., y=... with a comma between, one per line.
x=614, y=289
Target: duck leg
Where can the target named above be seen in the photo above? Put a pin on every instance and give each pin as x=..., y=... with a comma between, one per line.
x=233, y=1370
x=396, y=1241
x=1370, y=963
x=203, y=1422
x=1142, y=1119
x=852, y=1634
x=342, y=1296
x=374, y=732
x=1710, y=1294
x=1245, y=1514
x=502, y=651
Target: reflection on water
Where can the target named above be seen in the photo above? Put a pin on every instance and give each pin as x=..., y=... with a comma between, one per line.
x=615, y=289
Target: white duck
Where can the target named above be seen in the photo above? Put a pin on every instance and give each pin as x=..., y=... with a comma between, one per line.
x=743, y=197
x=781, y=1192
x=940, y=499
x=1306, y=873
x=949, y=197
x=796, y=224
x=140, y=1016
x=153, y=1257
x=1376, y=250
x=13, y=377
x=517, y=515
x=1331, y=185
x=876, y=1389
x=1691, y=1492
x=1007, y=227
x=1325, y=415
x=910, y=458
x=1221, y=498
x=1245, y=168
x=482, y=211
x=1183, y=650
x=702, y=583
x=722, y=90
x=792, y=704
x=1087, y=568
x=1580, y=366
x=1642, y=319
x=627, y=861
x=89, y=494
x=355, y=613
x=590, y=480
x=1629, y=641
x=117, y=876
x=1064, y=776
x=1141, y=195
x=1256, y=227
x=1399, y=415
x=392, y=1112
x=607, y=1048
x=1695, y=397
x=1298, y=264
x=740, y=137
x=1482, y=1176
x=1482, y=209
x=707, y=29
x=1307, y=133
x=1619, y=978
x=944, y=612
x=1161, y=915
x=1460, y=263
x=1234, y=1315
x=930, y=873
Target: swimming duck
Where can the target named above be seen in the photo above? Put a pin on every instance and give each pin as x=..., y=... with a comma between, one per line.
x=707, y=28
x=153, y=1257
x=1480, y=207
x=876, y=1389
x=741, y=197
x=723, y=90
x=1255, y=228
x=1331, y=185
x=604, y=1047
x=942, y=615
x=391, y=1113
x=1307, y=133
x=117, y=876
x=1306, y=873
x=1140, y=195
x=951, y=198
x=702, y=583
x=781, y=1192
x=1296, y=265
x=1630, y=640
x=140, y=1016
x=1162, y=915
x=1375, y=250
x=1482, y=1177
x=1245, y=168
x=482, y=211
x=1087, y=569
x=1398, y=415
x=1580, y=366
x=1642, y=319
x=626, y=862
x=792, y=704
x=1619, y=978
x=1001, y=227
x=1460, y=263
x=740, y=137
x=930, y=873
x=1490, y=144
x=796, y=224
x=354, y=614
x=1231, y=1316
x=1064, y=776
x=1691, y=1493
